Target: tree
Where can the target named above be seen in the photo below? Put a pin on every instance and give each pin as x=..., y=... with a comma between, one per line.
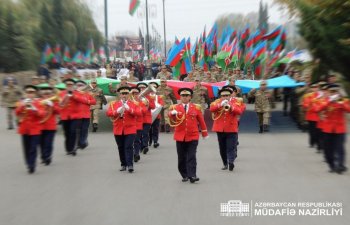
x=325, y=25
x=263, y=18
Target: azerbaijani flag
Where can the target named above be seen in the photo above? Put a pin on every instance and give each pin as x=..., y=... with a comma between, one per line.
x=288, y=57
x=66, y=55
x=134, y=4
x=48, y=55
x=91, y=46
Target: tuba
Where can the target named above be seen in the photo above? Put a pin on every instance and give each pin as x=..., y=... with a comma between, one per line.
x=148, y=90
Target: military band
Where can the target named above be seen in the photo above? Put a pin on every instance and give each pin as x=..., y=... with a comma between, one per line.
x=136, y=119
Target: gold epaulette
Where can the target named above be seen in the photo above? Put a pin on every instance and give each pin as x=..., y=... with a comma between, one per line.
x=198, y=106
x=171, y=107
x=152, y=96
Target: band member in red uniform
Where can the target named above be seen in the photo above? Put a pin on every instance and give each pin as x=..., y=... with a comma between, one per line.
x=49, y=123
x=123, y=114
x=29, y=113
x=69, y=113
x=84, y=114
x=154, y=131
x=139, y=124
x=147, y=103
x=335, y=108
x=225, y=115
x=185, y=118
x=311, y=116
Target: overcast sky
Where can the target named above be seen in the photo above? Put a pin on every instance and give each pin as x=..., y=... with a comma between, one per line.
x=184, y=18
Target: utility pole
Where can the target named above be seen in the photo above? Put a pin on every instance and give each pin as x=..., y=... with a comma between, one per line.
x=106, y=33
x=147, y=30
x=164, y=29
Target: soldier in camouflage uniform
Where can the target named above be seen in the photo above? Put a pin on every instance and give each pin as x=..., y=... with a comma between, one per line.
x=169, y=99
x=262, y=105
x=208, y=78
x=97, y=93
x=10, y=95
x=200, y=95
x=164, y=73
x=190, y=77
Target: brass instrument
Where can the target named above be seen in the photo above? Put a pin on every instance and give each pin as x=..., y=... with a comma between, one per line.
x=49, y=110
x=53, y=99
x=147, y=91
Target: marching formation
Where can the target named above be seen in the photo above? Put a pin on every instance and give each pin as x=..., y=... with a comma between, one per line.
x=141, y=111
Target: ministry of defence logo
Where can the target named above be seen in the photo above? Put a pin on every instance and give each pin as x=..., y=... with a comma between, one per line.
x=234, y=208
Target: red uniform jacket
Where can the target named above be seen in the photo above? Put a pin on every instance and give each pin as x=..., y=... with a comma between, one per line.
x=126, y=124
x=29, y=120
x=71, y=109
x=147, y=114
x=226, y=121
x=308, y=104
x=334, y=112
x=86, y=100
x=49, y=121
x=186, y=124
x=139, y=118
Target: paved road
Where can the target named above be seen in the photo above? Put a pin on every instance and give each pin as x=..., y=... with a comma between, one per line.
x=89, y=189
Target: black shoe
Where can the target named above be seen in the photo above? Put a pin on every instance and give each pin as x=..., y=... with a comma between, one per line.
x=137, y=158
x=10, y=128
x=131, y=169
x=224, y=167
x=145, y=150
x=31, y=170
x=156, y=145
x=194, y=179
x=185, y=179
x=82, y=147
x=47, y=162
x=123, y=168
x=94, y=127
x=266, y=128
x=231, y=166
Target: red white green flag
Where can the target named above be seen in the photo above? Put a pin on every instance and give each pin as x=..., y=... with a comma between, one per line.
x=134, y=4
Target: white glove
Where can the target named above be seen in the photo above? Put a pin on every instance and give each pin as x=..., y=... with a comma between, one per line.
x=120, y=109
x=320, y=94
x=173, y=112
x=206, y=138
x=127, y=107
x=33, y=108
x=27, y=101
x=48, y=102
x=334, y=97
x=224, y=102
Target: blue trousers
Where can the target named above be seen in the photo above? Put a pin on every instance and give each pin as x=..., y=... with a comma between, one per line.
x=125, y=148
x=83, y=131
x=137, y=142
x=334, y=150
x=228, y=146
x=46, y=143
x=186, y=158
x=145, y=135
x=70, y=134
x=30, y=145
x=154, y=131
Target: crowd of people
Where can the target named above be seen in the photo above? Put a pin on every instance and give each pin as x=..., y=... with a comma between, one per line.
x=139, y=113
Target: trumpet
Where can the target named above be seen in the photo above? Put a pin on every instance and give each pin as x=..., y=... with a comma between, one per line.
x=227, y=107
x=53, y=99
x=147, y=91
x=123, y=108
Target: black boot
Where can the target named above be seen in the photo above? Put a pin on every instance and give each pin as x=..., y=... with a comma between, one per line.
x=266, y=128
x=167, y=128
x=94, y=127
x=261, y=129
